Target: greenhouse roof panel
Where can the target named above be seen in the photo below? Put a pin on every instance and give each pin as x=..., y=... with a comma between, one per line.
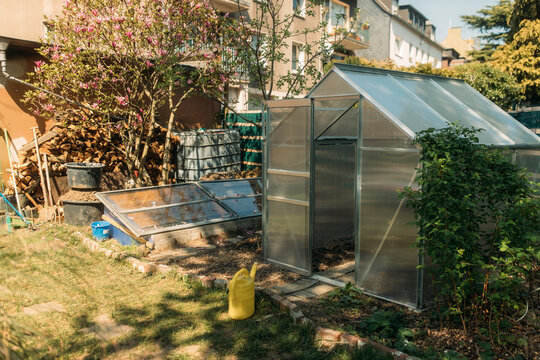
x=416, y=102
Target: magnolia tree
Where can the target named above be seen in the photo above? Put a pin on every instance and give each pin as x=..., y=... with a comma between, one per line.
x=118, y=62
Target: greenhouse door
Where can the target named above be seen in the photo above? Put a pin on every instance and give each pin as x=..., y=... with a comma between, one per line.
x=334, y=203
x=286, y=210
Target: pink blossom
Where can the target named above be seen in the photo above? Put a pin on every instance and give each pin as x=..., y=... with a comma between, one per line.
x=94, y=105
x=149, y=64
x=94, y=12
x=129, y=34
x=117, y=27
x=48, y=107
x=121, y=100
x=55, y=56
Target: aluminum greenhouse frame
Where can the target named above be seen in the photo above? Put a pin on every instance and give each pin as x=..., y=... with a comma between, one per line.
x=334, y=162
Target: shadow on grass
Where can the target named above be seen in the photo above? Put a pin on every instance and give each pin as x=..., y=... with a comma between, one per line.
x=169, y=327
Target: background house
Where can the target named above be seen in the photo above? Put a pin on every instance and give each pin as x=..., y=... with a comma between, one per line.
x=461, y=47
x=400, y=33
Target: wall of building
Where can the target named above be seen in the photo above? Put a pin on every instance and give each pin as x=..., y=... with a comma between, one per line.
x=423, y=50
x=14, y=115
x=379, y=31
x=23, y=19
x=455, y=41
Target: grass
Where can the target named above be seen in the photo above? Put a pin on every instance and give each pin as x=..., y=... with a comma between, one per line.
x=170, y=318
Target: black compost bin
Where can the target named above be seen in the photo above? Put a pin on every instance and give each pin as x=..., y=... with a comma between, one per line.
x=82, y=213
x=83, y=175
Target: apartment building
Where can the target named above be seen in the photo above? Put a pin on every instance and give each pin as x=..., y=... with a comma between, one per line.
x=344, y=34
x=400, y=33
x=458, y=49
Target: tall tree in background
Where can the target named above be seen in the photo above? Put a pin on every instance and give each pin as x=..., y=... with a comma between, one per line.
x=521, y=58
x=523, y=10
x=493, y=22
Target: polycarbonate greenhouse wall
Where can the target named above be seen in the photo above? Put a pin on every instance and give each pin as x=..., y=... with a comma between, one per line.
x=335, y=161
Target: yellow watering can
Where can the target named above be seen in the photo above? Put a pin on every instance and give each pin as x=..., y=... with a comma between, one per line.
x=242, y=294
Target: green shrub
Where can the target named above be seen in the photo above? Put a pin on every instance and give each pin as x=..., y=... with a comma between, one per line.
x=478, y=220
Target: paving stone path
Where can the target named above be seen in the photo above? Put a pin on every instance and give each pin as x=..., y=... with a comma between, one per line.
x=106, y=328
x=307, y=288
x=51, y=306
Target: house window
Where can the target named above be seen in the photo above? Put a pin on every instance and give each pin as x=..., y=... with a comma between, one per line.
x=337, y=15
x=398, y=47
x=299, y=7
x=297, y=58
x=412, y=54
x=419, y=56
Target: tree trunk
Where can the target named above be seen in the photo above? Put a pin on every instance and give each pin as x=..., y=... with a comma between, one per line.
x=173, y=107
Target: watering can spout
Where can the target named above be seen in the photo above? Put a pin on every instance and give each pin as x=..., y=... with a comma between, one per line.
x=253, y=271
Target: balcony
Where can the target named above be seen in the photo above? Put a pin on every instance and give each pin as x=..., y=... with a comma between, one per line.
x=354, y=39
x=231, y=6
x=345, y=32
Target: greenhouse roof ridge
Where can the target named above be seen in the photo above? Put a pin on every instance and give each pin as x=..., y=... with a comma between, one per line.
x=359, y=68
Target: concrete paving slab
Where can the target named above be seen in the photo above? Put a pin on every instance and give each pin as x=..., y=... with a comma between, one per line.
x=169, y=255
x=294, y=298
x=51, y=306
x=320, y=289
x=295, y=286
x=106, y=328
x=338, y=271
x=303, y=295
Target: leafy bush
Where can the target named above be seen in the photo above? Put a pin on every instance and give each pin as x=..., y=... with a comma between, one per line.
x=478, y=220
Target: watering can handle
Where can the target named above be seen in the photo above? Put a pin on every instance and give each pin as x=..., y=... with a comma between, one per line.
x=233, y=281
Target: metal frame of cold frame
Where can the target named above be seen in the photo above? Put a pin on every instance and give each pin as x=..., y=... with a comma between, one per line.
x=211, y=198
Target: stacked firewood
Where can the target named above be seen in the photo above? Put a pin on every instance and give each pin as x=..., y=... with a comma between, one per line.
x=90, y=144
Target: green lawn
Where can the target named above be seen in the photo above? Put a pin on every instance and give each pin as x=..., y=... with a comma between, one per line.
x=169, y=318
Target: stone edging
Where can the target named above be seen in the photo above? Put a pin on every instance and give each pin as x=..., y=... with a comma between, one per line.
x=328, y=337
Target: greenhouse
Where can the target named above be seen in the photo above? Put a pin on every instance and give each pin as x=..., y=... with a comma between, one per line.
x=335, y=161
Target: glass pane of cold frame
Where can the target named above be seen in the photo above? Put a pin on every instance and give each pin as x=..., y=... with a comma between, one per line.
x=236, y=188
x=288, y=234
x=490, y=112
x=245, y=206
x=397, y=100
x=159, y=219
x=148, y=198
x=387, y=262
x=454, y=110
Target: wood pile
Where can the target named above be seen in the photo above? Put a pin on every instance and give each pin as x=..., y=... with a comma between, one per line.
x=75, y=144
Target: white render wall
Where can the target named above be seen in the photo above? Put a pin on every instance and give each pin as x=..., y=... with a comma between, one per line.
x=422, y=51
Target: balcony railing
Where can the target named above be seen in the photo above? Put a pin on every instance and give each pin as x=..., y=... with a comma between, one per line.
x=231, y=6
